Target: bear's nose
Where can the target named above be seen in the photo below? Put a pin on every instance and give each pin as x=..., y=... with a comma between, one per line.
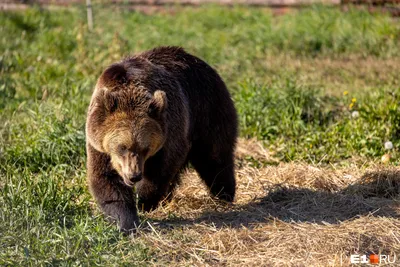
x=136, y=177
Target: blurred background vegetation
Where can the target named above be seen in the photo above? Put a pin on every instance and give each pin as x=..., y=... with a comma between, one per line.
x=295, y=78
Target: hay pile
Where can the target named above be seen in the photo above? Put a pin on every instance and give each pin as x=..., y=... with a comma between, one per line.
x=284, y=215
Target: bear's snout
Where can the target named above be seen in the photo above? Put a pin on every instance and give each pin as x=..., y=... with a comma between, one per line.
x=136, y=177
x=131, y=179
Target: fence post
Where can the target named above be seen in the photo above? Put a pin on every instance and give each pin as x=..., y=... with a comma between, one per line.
x=89, y=14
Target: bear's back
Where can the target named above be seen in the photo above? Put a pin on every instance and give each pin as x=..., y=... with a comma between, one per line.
x=209, y=101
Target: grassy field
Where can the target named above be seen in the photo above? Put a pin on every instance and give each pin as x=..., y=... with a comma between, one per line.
x=318, y=95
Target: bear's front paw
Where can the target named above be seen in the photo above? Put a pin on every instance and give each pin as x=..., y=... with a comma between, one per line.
x=128, y=224
x=125, y=214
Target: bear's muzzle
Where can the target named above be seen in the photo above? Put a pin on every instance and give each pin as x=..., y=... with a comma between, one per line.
x=131, y=179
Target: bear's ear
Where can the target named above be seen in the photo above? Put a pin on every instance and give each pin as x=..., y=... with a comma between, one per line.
x=113, y=76
x=158, y=104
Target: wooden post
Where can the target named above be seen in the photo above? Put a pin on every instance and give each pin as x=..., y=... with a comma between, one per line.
x=89, y=14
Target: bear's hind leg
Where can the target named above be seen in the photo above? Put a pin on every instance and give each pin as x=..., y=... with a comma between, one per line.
x=217, y=171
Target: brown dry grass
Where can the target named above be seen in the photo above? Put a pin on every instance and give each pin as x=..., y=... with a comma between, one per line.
x=284, y=215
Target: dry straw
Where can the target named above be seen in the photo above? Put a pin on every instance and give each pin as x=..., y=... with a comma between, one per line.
x=284, y=215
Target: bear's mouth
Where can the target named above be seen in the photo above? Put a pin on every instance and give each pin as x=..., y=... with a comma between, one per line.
x=129, y=183
x=131, y=180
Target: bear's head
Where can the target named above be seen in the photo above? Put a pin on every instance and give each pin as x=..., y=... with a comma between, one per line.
x=126, y=121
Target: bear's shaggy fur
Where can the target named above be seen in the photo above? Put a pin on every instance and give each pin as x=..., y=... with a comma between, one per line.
x=149, y=116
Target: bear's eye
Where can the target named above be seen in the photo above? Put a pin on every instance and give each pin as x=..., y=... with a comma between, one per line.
x=121, y=149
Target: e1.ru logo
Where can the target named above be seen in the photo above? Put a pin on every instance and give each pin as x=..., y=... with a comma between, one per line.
x=372, y=259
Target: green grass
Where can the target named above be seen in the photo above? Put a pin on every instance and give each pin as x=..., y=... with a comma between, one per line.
x=49, y=63
x=301, y=123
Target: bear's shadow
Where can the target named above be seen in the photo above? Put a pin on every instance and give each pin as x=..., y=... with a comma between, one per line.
x=375, y=194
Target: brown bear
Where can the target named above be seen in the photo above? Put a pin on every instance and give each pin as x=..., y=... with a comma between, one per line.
x=149, y=116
